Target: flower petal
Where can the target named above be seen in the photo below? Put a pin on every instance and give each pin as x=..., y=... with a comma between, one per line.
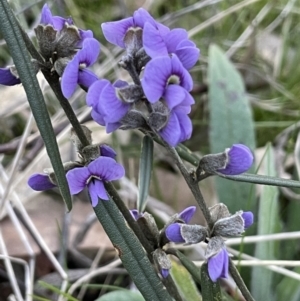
x=153, y=42
x=173, y=233
x=99, y=118
x=188, y=56
x=94, y=92
x=141, y=16
x=186, y=80
x=156, y=75
x=77, y=179
x=164, y=273
x=89, y=52
x=186, y=125
x=248, y=218
x=216, y=265
x=240, y=159
x=106, y=169
x=114, y=32
x=187, y=213
x=111, y=127
x=174, y=95
x=107, y=151
x=86, y=78
x=7, y=78
x=40, y=182
x=97, y=190
x=171, y=133
x=174, y=37
x=70, y=78
x=46, y=16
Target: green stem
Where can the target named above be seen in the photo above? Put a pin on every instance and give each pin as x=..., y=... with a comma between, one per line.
x=239, y=281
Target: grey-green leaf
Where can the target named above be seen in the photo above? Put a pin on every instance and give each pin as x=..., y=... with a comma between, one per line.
x=268, y=217
x=146, y=163
x=123, y=295
x=13, y=37
x=230, y=120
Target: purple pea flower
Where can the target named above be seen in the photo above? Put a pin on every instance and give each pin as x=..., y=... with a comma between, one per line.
x=165, y=273
x=115, y=32
x=240, y=159
x=175, y=41
x=248, y=218
x=58, y=23
x=7, y=78
x=173, y=233
x=218, y=265
x=74, y=72
x=160, y=73
x=179, y=126
x=107, y=106
x=40, y=182
x=92, y=177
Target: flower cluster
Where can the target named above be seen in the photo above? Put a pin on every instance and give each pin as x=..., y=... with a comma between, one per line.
x=66, y=49
x=166, y=56
x=96, y=166
x=225, y=226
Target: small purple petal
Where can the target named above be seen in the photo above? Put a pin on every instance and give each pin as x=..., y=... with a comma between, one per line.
x=187, y=213
x=153, y=42
x=186, y=80
x=111, y=127
x=218, y=265
x=156, y=75
x=248, y=218
x=135, y=214
x=188, y=56
x=97, y=190
x=77, y=179
x=173, y=233
x=99, y=118
x=84, y=34
x=113, y=107
x=58, y=22
x=46, y=16
x=171, y=133
x=70, y=78
x=7, y=78
x=240, y=159
x=164, y=273
x=40, y=182
x=174, y=37
x=107, y=151
x=86, y=78
x=186, y=125
x=114, y=32
x=174, y=95
x=106, y=169
x=89, y=52
x=93, y=95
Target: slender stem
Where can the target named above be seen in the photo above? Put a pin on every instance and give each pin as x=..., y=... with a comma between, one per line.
x=172, y=288
x=239, y=281
x=192, y=183
x=128, y=217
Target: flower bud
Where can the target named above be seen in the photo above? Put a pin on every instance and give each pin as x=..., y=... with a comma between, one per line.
x=162, y=262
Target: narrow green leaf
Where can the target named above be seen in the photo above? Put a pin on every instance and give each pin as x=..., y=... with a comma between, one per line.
x=121, y=296
x=230, y=119
x=268, y=217
x=185, y=283
x=130, y=251
x=13, y=37
x=146, y=163
x=211, y=291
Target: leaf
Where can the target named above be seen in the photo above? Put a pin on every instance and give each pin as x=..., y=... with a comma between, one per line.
x=121, y=296
x=185, y=283
x=13, y=37
x=268, y=217
x=230, y=120
x=146, y=163
x=130, y=251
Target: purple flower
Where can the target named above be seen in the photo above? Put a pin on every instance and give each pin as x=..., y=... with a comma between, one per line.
x=40, y=182
x=157, y=43
x=92, y=177
x=218, y=265
x=75, y=74
x=108, y=106
x=7, y=78
x=187, y=213
x=58, y=23
x=240, y=159
x=173, y=233
x=248, y=219
x=164, y=273
x=179, y=126
x=162, y=72
x=115, y=32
